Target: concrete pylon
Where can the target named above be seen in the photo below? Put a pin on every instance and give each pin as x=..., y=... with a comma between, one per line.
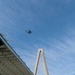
x=40, y=51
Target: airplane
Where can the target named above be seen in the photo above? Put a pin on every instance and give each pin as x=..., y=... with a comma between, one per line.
x=29, y=31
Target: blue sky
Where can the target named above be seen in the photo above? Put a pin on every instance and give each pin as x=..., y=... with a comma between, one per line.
x=53, y=25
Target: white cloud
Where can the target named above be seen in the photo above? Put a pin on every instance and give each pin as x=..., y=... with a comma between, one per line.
x=60, y=57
